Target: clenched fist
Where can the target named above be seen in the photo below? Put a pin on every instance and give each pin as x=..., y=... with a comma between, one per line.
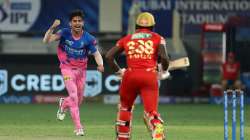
x=55, y=24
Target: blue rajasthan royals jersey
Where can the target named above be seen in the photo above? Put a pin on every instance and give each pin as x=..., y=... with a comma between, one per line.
x=73, y=52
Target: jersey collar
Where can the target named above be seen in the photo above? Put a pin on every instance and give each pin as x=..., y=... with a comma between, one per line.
x=142, y=30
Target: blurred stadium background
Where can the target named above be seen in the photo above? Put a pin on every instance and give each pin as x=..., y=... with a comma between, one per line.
x=203, y=30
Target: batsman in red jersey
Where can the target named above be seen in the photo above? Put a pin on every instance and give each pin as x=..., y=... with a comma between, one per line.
x=142, y=50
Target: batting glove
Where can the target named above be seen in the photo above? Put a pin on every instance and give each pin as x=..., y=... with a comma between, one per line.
x=162, y=75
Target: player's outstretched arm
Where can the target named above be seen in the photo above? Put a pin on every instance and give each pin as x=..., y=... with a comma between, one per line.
x=99, y=61
x=49, y=36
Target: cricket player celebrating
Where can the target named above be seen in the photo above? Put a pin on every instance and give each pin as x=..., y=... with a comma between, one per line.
x=142, y=50
x=73, y=49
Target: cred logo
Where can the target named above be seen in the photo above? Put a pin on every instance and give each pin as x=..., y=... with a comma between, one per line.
x=35, y=82
x=3, y=82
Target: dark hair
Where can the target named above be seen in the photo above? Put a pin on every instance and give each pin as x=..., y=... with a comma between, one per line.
x=76, y=13
x=141, y=27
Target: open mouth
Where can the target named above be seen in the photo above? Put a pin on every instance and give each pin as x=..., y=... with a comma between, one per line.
x=78, y=27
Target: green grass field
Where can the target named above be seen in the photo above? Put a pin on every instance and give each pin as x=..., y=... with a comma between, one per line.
x=184, y=122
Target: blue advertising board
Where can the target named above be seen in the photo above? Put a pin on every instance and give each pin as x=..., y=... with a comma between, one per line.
x=38, y=15
x=192, y=13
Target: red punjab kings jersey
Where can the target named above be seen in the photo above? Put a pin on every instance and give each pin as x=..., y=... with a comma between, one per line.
x=141, y=48
x=230, y=71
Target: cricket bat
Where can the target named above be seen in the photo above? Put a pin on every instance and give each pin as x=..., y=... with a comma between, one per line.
x=178, y=63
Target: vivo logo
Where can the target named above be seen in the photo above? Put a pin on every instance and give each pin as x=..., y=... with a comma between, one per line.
x=16, y=99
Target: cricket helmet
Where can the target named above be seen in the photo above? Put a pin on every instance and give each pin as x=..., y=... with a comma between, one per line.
x=145, y=19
